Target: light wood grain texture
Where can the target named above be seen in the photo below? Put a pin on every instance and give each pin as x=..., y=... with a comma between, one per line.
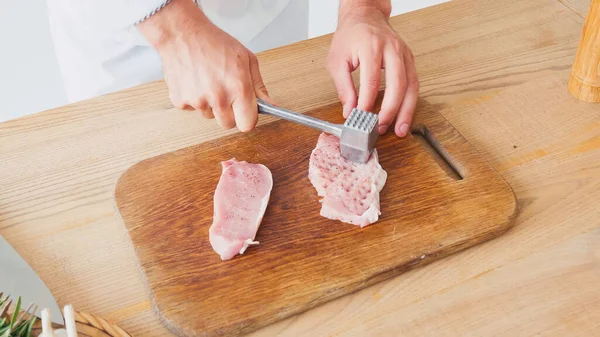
x=304, y=259
x=584, y=82
x=535, y=279
x=59, y=169
x=580, y=7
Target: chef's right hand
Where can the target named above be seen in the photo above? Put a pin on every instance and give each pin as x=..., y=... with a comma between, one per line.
x=205, y=68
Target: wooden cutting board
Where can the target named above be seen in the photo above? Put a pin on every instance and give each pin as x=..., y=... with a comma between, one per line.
x=441, y=196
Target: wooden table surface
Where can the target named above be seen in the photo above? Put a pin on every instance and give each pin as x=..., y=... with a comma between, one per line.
x=58, y=171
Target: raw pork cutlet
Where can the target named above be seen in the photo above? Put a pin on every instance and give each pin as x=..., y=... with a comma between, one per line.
x=240, y=202
x=349, y=191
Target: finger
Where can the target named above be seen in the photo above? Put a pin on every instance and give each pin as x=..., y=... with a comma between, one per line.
x=409, y=103
x=201, y=105
x=260, y=90
x=207, y=113
x=177, y=102
x=370, y=78
x=342, y=78
x=244, y=104
x=395, y=89
x=246, y=113
x=223, y=111
x=185, y=107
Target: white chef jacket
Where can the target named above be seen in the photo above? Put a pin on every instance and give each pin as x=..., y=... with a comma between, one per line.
x=99, y=49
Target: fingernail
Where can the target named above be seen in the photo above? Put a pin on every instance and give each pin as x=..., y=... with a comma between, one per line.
x=403, y=130
x=346, y=111
x=383, y=129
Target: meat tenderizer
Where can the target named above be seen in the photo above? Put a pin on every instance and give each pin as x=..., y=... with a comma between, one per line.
x=357, y=135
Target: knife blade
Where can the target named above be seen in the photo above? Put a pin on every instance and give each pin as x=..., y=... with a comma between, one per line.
x=17, y=278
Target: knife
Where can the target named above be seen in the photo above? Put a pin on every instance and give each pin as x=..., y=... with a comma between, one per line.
x=17, y=278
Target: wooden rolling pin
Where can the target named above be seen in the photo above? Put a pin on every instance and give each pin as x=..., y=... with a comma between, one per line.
x=584, y=82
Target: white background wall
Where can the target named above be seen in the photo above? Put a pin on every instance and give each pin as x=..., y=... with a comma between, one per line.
x=29, y=76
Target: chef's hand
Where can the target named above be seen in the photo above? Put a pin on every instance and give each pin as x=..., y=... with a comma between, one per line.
x=205, y=68
x=364, y=38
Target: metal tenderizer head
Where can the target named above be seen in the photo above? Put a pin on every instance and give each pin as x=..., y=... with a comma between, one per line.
x=359, y=135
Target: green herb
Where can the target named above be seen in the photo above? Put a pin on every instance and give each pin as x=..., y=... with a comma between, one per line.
x=15, y=314
x=9, y=326
x=30, y=326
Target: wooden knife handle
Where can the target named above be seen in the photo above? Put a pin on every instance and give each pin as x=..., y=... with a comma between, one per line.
x=584, y=81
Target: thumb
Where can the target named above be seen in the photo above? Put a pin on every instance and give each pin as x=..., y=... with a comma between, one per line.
x=342, y=77
x=260, y=90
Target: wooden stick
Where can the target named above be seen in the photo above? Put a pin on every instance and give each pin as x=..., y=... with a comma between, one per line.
x=6, y=301
x=24, y=315
x=584, y=82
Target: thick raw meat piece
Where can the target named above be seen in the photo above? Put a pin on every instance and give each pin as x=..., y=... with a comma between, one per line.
x=349, y=191
x=240, y=201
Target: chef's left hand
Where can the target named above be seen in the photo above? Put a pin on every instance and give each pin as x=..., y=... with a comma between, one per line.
x=364, y=38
